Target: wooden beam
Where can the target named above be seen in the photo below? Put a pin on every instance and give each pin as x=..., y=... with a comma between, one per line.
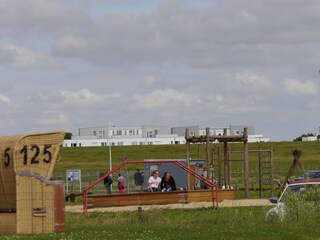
x=195, y=139
x=207, y=152
x=246, y=164
x=187, y=136
x=219, y=166
x=296, y=162
x=260, y=173
x=229, y=166
x=225, y=154
x=271, y=172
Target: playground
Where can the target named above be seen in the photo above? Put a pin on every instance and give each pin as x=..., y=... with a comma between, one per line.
x=28, y=165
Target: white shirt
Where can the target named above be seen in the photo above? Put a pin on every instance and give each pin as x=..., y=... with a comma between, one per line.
x=154, y=182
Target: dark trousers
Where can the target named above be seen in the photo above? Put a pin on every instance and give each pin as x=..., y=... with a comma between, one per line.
x=108, y=187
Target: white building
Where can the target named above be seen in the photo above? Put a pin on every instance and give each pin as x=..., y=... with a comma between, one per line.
x=124, y=136
x=309, y=139
x=150, y=135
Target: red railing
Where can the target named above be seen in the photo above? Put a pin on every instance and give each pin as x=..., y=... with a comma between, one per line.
x=213, y=186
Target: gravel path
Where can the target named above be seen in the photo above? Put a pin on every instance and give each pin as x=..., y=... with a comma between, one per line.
x=225, y=203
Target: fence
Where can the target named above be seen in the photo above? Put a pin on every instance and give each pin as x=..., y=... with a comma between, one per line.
x=237, y=184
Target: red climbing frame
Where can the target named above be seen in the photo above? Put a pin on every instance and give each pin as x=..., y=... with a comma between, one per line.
x=213, y=186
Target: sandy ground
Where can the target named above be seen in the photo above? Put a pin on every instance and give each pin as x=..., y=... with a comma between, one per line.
x=225, y=203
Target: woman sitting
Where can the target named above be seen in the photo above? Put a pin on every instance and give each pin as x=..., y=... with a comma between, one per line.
x=154, y=182
x=167, y=183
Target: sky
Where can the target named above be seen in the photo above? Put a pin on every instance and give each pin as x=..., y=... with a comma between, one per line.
x=82, y=63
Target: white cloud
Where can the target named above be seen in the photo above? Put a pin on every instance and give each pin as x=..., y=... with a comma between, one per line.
x=241, y=109
x=164, y=98
x=19, y=56
x=294, y=86
x=52, y=118
x=5, y=99
x=221, y=61
x=149, y=80
x=82, y=98
x=70, y=44
x=252, y=81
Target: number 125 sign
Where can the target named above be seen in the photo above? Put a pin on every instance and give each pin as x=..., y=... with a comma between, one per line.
x=31, y=154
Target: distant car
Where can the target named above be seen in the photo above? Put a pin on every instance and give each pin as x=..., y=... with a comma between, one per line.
x=313, y=174
x=279, y=210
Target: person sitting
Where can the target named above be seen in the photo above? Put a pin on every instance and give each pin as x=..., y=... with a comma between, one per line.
x=167, y=183
x=154, y=182
x=138, y=180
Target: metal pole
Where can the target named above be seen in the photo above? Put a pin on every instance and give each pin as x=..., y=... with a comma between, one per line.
x=110, y=154
x=260, y=173
x=207, y=152
x=229, y=167
x=246, y=164
x=188, y=155
x=225, y=153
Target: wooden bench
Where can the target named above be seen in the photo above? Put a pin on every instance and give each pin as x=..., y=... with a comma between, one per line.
x=159, y=198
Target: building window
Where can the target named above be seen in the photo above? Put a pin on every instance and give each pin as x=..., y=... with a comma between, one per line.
x=141, y=143
x=120, y=143
x=238, y=132
x=150, y=143
x=192, y=133
x=149, y=134
x=94, y=133
x=134, y=143
x=101, y=135
x=118, y=132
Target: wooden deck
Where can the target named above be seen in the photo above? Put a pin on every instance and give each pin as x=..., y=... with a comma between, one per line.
x=158, y=198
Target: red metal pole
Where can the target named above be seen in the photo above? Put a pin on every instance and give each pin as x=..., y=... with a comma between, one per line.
x=181, y=165
x=104, y=176
x=85, y=202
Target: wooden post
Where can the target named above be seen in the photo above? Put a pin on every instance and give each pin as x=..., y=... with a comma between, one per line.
x=219, y=166
x=271, y=172
x=225, y=153
x=229, y=167
x=187, y=135
x=296, y=162
x=212, y=162
x=207, y=152
x=246, y=164
x=260, y=172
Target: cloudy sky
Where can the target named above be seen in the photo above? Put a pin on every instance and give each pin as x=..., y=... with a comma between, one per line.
x=79, y=63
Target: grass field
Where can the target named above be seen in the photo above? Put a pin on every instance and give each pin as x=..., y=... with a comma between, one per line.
x=225, y=223
x=97, y=158
x=204, y=223
x=93, y=161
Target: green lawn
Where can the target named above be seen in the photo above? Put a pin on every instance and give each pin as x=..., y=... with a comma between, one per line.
x=97, y=158
x=225, y=223
x=203, y=223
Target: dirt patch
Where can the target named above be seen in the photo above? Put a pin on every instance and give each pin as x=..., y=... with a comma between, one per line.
x=225, y=203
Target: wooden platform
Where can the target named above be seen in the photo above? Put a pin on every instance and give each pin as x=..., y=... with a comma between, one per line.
x=158, y=198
